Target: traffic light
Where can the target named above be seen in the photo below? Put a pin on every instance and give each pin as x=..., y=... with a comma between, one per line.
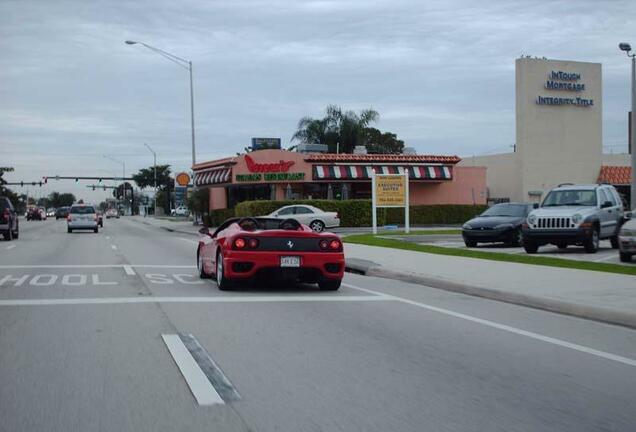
x=100, y=180
x=104, y=187
x=76, y=180
x=93, y=187
x=46, y=179
x=21, y=184
x=40, y=184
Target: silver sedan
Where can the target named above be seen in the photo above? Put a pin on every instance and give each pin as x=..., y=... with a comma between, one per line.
x=311, y=216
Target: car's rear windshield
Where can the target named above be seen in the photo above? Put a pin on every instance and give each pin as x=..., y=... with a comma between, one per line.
x=506, y=210
x=82, y=210
x=4, y=203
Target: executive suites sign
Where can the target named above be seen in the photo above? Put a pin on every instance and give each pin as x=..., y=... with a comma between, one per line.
x=390, y=190
x=564, y=81
x=276, y=171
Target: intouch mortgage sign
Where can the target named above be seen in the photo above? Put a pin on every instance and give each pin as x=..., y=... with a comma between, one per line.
x=390, y=190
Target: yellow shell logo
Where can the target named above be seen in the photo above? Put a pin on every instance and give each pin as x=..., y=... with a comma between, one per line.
x=183, y=179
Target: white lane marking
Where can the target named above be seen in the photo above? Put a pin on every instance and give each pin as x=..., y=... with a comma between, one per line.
x=149, y=299
x=129, y=270
x=532, y=335
x=10, y=247
x=188, y=240
x=201, y=388
x=37, y=266
x=114, y=247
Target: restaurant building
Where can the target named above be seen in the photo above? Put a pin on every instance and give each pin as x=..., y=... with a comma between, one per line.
x=275, y=174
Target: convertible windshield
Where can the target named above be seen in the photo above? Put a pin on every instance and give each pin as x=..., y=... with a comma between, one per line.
x=570, y=198
x=506, y=210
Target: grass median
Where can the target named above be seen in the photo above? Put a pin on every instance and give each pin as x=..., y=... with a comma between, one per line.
x=422, y=232
x=371, y=240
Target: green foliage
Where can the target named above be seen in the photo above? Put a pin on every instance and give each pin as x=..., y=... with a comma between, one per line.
x=58, y=200
x=199, y=201
x=382, y=142
x=345, y=128
x=146, y=177
x=441, y=214
x=217, y=217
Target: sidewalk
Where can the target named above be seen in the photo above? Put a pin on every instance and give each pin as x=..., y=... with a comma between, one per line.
x=588, y=294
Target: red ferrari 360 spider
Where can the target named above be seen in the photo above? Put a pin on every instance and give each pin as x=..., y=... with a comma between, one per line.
x=267, y=249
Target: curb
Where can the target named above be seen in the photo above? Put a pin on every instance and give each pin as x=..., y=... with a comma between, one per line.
x=595, y=313
x=169, y=229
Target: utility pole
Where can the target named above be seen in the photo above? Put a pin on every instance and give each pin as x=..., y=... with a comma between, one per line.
x=155, y=164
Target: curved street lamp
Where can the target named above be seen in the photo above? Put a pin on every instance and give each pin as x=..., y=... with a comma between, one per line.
x=186, y=64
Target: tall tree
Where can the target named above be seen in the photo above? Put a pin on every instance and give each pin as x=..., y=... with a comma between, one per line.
x=58, y=200
x=339, y=130
x=146, y=178
x=377, y=141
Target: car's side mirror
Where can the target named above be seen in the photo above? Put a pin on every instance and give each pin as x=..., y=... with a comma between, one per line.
x=535, y=205
x=607, y=204
x=204, y=231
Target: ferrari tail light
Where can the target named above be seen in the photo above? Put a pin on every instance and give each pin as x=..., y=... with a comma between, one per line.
x=335, y=245
x=252, y=243
x=239, y=243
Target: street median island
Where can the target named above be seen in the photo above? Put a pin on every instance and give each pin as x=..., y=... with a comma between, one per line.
x=371, y=240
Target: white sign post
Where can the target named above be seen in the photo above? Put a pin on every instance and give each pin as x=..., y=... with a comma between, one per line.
x=390, y=191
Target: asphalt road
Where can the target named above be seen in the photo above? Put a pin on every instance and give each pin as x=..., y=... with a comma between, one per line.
x=81, y=349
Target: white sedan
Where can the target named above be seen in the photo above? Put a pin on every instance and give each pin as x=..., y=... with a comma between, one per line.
x=311, y=216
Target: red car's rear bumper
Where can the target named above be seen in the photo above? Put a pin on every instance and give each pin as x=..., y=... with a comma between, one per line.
x=313, y=265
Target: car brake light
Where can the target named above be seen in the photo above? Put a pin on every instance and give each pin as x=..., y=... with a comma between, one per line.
x=69, y=218
x=239, y=243
x=335, y=244
x=252, y=243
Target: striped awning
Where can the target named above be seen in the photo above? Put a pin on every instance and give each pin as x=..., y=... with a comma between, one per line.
x=362, y=172
x=213, y=176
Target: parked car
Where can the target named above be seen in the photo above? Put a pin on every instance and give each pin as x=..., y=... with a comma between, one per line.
x=62, y=213
x=575, y=215
x=268, y=249
x=180, y=211
x=500, y=223
x=311, y=216
x=34, y=213
x=627, y=238
x=112, y=213
x=9, y=226
x=82, y=217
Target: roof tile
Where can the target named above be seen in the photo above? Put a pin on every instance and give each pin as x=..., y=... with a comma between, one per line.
x=380, y=158
x=616, y=175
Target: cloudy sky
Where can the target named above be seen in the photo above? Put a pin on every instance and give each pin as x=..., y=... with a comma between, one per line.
x=441, y=74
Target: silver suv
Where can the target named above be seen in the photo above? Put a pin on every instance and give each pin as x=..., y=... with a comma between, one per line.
x=575, y=215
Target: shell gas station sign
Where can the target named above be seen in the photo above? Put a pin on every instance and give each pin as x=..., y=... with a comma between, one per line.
x=390, y=190
x=183, y=179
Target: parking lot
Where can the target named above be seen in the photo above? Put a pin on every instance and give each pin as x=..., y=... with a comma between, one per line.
x=605, y=253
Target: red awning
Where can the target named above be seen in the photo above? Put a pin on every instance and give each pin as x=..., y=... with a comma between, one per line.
x=362, y=172
x=213, y=176
x=615, y=175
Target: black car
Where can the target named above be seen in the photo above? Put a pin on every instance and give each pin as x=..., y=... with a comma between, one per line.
x=500, y=223
x=62, y=213
x=8, y=220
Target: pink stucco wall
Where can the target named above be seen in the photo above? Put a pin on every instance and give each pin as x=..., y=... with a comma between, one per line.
x=218, y=198
x=467, y=181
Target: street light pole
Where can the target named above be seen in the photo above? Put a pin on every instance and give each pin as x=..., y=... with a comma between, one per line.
x=155, y=162
x=186, y=64
x=627, y=48
x=123, y=178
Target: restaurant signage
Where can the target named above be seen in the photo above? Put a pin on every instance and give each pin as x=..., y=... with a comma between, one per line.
x=280, y=166
x=271, y=177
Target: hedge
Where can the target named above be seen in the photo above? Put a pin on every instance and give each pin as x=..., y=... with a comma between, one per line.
x=356, y=213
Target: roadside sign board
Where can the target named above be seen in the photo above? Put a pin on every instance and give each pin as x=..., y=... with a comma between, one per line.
x=390, y=190
x=265, y=143
x=180, y=195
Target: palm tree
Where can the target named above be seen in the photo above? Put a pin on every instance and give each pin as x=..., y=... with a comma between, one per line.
x=338, y=129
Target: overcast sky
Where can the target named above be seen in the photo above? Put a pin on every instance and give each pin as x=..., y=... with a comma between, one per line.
x=440, y=73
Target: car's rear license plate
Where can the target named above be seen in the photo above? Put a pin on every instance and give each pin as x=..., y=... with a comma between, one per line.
x=290, y=261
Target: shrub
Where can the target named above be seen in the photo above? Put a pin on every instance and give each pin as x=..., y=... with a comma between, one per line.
x=217, y=217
